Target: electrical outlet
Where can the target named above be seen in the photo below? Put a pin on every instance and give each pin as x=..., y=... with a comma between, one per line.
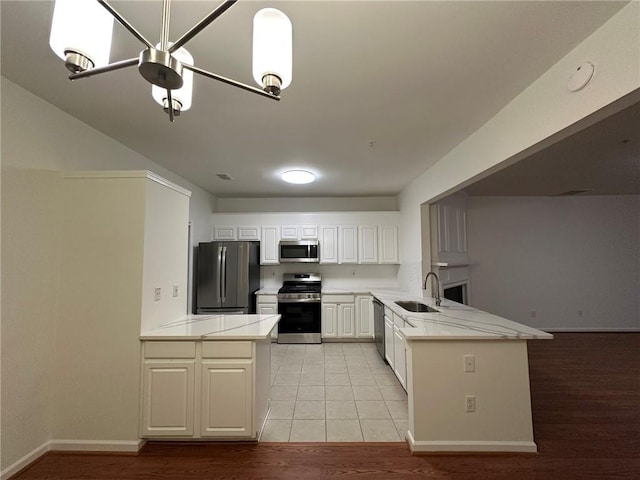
x=534, y=314
x=157, y=293
x=175, y=290
x=580, y=313
x=469, y=363
x=470, y=403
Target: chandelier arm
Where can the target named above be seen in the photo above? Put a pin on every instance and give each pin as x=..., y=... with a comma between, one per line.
x=107, y=68
x=170, y=100
x=229, y=81
x=125, y=24
x=164, y=36
x=201, y=25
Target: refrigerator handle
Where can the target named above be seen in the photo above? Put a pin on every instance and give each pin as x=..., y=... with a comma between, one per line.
x=224, y=274
x=219, y=272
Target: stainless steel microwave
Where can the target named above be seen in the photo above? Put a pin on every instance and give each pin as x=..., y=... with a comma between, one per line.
x=299, y=251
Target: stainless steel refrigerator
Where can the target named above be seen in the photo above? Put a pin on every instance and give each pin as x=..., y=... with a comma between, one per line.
x=228, y=275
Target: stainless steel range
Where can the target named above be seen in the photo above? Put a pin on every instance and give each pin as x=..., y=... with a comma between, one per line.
x=299, y=304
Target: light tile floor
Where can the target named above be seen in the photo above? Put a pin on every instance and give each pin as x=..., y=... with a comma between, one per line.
x=334, y=392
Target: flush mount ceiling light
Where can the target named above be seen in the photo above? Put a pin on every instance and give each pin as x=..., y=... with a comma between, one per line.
x=298, y=176
x=81, y=35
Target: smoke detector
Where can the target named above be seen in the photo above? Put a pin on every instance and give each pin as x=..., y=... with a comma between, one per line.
x=581, y=76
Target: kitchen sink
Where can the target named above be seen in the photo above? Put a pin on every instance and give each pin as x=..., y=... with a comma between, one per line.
x=412, y=306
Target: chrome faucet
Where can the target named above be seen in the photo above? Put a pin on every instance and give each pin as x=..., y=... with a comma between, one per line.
x=438, y=300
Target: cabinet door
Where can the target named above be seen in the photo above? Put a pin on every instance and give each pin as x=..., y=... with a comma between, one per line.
x=269, y=309
x=289, y=232
x=249, y=233
x=269, y=244
x=168, y=398
x=224, y=233
x=448, y=227
x=308, y=232
x=329, y=320
x=348, y=244
x=346, y=320
x=388, y=244
x=388, y=341
x=399, y=356
x=364, y=317
x=328, y=244
x=227, y=399
x=368, y=244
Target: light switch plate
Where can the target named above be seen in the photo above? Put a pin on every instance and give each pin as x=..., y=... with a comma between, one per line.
x=469, y=363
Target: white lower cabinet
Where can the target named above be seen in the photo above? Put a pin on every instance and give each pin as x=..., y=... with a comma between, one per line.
x=346, y=320
x=388, y=339
x=227, y=400
x=218, y=387
x=267, y=304
x=399, y=355
x=338, y=316
x=168, y=398
x=364, y=316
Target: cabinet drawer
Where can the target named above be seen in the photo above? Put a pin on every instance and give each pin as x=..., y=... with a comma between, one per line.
x=398, y=320
x=169, y=349
x=339, y=298
x=267, y=298
x=239, y=349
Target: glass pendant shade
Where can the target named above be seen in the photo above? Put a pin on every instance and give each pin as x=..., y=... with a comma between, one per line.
x=84, y=27
x=184, y=93
x=272, y=46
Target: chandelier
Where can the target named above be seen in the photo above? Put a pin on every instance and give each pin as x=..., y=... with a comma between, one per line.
x=81, y=34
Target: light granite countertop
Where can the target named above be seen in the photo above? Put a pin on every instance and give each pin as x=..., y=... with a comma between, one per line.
x=455, y=321
x=215, y=327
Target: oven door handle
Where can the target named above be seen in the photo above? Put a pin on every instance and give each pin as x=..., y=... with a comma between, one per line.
x=300, y=300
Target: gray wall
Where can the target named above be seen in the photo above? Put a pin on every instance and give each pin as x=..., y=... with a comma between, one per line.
x=574, y=261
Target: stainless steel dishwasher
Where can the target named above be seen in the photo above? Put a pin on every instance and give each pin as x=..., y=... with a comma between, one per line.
x=378, y=326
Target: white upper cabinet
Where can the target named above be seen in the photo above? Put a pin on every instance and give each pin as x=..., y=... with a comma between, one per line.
x=249, y=233
x=269, y=245
x=299, y=232
x=388, y=244
x=328, y=244
x=308, y=232
x=289, y=232
x=348, y=244
x=449, y=230
x=343, y=237
x=224, y=233
x=368, y=244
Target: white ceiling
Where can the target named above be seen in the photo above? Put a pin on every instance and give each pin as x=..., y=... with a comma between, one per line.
x=414, y=77
x=603, y=159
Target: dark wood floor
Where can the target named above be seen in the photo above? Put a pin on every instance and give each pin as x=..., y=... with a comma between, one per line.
x=586, y=413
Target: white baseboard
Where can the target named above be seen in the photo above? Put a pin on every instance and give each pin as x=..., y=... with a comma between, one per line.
x=470, y=446
x=123, y=446
x=29, y=458
x=590, y=330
